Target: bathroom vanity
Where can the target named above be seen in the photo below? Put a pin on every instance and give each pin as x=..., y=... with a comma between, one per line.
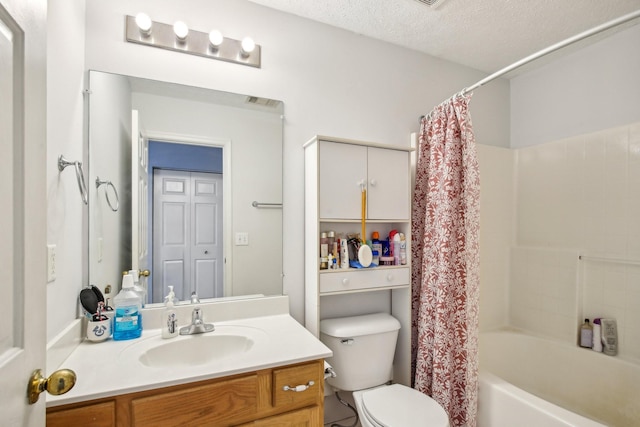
x=253, y=398
x=261, y=370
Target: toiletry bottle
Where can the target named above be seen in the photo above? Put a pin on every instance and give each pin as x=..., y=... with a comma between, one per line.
x=169, y=317
x=344, y=254
x=376, y=245
x=324, y=245
x=127, y=322
x=392, y=247
x=396, y=249
x=331, y=239
x=403, y=249
x=597, y=335
x=609, y=329
x=586, y=334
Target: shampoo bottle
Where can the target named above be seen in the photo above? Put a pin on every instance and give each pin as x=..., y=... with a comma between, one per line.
x=586, y=334
x=169, y=317
x=127, y=322
x=597, y=336
x=609, y=336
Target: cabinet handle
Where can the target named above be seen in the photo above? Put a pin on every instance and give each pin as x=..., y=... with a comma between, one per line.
x=345, y=282
x=298, y=388
x=389, y=277
x=373, y=182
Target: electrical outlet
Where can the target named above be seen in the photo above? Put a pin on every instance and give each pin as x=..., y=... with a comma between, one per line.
x=51, y=263
x=242, y=239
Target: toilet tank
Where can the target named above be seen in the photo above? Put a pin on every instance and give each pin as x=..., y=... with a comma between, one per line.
x=363, y=349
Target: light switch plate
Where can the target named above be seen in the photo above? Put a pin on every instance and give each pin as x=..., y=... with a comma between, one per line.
x=242, y=239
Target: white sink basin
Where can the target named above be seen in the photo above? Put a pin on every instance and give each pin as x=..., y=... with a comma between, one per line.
x=226, y=342
x=196, y=350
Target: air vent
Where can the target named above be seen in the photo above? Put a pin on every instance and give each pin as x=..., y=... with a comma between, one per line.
x=431, y=3
x=262, y=101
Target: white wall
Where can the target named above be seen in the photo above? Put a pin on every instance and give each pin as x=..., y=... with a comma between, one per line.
x=594, y=88
x=66, y=214
x=497, y=199
x=332, y=82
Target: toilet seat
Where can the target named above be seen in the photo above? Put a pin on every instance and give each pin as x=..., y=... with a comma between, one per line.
x=400, y=406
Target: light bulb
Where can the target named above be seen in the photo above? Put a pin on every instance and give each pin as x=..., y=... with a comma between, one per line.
x=215, y=38
x=181, y=30
x=248, y=45
x=144, y=23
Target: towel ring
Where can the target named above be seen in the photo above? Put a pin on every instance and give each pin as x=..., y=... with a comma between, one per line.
x=106, y=193
x=63, y=163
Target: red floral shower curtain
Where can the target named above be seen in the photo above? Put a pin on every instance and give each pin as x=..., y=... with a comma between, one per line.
x=445, y=263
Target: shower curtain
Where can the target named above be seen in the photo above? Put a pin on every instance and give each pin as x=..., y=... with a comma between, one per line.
x=445, y=261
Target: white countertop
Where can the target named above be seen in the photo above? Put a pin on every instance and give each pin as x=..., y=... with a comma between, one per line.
x=112, y=367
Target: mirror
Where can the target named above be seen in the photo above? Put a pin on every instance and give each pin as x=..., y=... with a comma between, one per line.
x=186, y=183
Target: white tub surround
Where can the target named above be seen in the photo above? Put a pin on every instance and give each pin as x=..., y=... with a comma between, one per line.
x=600, y=387
x=112, y=368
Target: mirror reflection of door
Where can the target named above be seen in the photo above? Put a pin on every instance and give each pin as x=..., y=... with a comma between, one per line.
x=187, y=245
x=187, y=231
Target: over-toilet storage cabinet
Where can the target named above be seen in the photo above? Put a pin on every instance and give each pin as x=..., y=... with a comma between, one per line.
x=335, y=170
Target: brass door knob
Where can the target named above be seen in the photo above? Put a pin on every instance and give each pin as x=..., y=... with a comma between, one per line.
x=144, y=273
x=59, y=382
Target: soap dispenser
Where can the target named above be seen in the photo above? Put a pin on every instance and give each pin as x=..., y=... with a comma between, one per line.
x=169, y=317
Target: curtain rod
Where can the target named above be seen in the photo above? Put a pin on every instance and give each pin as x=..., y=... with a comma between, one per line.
x=583, y=35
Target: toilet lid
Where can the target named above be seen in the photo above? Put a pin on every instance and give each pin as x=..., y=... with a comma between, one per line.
x=398, y=405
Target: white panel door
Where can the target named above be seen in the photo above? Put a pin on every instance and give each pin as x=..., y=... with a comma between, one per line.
x=23, y=221
x=171, y=213
x=187, y=234
x=207, y=255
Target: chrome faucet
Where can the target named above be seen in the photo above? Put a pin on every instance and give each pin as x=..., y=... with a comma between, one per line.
x=197, y=325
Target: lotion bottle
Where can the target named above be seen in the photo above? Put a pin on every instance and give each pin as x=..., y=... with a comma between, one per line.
x=169, y=317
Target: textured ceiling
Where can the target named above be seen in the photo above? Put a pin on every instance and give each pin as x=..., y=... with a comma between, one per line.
x=483, y=34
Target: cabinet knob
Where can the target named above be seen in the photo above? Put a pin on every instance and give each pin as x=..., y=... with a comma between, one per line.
x=389, y=277
x=373, y=182
x=345, y=281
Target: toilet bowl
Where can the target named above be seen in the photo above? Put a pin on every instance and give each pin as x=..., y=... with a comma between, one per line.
x=397, y=405
x=363, y=352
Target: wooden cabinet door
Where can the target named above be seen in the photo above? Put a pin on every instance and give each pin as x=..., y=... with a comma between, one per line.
x=307, y=417
x=96, y=415
x=342, y=168
x=388, y=192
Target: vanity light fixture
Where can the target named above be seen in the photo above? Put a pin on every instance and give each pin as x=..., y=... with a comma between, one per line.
x=248, y=46
x=179, y=38
x=181, y=31
x=216, y=39
x=144, y=24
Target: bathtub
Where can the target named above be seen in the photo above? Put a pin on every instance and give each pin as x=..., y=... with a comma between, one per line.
x=530, y=381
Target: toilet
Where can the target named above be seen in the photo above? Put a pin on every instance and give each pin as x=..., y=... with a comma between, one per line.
x=363, y=349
